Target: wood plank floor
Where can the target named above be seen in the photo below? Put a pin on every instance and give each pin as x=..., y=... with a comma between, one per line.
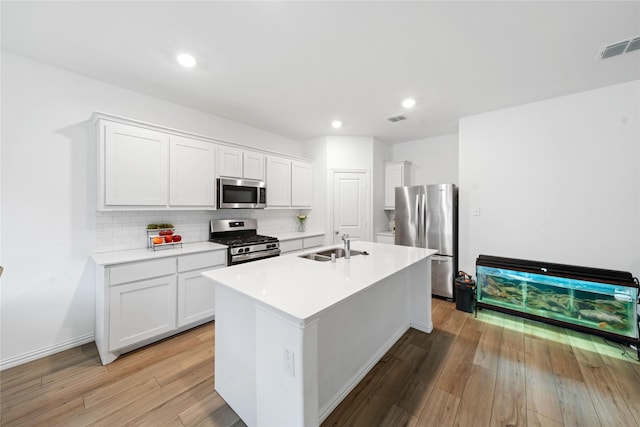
x=496, y=370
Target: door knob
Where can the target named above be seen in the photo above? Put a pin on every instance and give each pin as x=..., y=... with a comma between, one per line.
x=337, y=232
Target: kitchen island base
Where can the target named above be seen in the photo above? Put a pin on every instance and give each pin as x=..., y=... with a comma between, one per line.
x=276, y=369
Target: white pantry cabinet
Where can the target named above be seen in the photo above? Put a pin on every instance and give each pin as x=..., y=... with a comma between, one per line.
x=396, y=174
x=144, y=301
x=237, y=163
x=191, y=173
x=289, y=183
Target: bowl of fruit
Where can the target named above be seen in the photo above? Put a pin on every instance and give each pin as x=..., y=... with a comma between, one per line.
x=163, y=235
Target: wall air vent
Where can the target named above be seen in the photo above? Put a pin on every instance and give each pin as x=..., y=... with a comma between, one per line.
x=619, y=48
x=397, y=118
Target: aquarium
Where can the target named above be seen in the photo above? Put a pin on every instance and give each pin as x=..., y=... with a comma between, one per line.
x=591, y=300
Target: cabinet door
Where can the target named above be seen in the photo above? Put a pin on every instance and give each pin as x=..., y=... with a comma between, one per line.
x=290, y=245
x=196, y=297
x=312, y=242
x=253, y=165
x=141, y=310
x=278, y=182
x=136, y=165
x=229, y=162
x=301, y=184
x=393, y=177
x=192, y=173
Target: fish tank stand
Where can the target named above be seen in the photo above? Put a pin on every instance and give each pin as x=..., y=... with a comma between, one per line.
x=596, y=301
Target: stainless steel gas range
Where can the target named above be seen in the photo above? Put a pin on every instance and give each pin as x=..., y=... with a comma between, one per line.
x=242, y=239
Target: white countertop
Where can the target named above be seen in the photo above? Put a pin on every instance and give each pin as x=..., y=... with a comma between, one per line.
x=386, y=233
x=117, y=257
x=296, y=235
x=302, y=288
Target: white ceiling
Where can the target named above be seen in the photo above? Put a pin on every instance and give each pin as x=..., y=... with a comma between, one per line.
x=293, y=67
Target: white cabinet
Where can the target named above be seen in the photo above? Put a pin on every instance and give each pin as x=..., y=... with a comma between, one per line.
x=298, y=244
x=142, y=168
x=396, y=174
x=301, y=180
x=278, y=182
x=141, y=310
x=196, y=297
x=253, y=165
x=386, y=237
x=141, y=302
x=133, y=166
x=191, y=173
x=237, y=163
x=289, y=183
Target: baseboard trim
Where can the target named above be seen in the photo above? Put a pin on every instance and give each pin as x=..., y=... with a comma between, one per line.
x=45, y=351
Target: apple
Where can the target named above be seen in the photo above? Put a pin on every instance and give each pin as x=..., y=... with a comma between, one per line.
x=168, y=239
x=177, y=237
x=162, y=232
x=168, y=232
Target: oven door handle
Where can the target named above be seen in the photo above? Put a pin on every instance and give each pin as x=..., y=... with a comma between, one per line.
x=254, y=255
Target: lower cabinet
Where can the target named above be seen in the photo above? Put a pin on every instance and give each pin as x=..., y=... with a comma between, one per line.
x=195, y=297
x=298, y=244
x=386, y=237
x=140, y=302
x=141, y=310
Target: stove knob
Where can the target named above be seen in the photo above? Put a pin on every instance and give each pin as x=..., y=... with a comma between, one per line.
x=240, y=250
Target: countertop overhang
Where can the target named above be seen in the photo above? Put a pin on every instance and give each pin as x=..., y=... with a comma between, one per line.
x=302, y=288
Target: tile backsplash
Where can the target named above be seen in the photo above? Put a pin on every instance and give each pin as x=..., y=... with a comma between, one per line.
x=124, y=230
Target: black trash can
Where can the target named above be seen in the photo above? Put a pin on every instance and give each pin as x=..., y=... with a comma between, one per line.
x=465, y=293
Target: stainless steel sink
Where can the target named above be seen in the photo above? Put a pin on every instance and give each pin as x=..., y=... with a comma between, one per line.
x=325, y=255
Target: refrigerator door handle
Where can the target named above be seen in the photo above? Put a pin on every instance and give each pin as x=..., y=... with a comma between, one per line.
x=418, y=221
x=423, y=220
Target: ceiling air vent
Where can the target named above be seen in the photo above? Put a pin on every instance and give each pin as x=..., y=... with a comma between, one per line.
x=397, y=118
x=619, y=48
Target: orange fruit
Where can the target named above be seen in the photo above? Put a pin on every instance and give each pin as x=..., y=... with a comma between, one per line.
x=157, y=240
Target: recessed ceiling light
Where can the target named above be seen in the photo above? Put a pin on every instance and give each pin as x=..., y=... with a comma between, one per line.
x=408, y=103
x=186, y=60
x=336, y=124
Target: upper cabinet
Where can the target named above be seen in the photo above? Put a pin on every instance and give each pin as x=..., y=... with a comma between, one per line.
x=133, y=166
x=191, y=172
x=396, y=174
x=237, y=163
x=278, y=182
x=142, y=168
x=288, y=183
x=301, y=173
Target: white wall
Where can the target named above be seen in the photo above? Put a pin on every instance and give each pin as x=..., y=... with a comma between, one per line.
x=555, y=181
x=48, y=196
x=433, y=160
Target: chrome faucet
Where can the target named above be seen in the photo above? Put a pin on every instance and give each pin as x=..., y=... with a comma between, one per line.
x=347, y=245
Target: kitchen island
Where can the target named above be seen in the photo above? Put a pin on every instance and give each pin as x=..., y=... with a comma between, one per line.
x=294, y=335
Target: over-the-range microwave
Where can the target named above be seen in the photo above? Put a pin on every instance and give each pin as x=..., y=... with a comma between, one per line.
x=241, y=194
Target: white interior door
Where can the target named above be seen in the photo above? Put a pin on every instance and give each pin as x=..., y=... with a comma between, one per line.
x=351, y=205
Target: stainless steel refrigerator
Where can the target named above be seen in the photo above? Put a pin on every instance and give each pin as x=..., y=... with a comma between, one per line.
x=427, y=217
